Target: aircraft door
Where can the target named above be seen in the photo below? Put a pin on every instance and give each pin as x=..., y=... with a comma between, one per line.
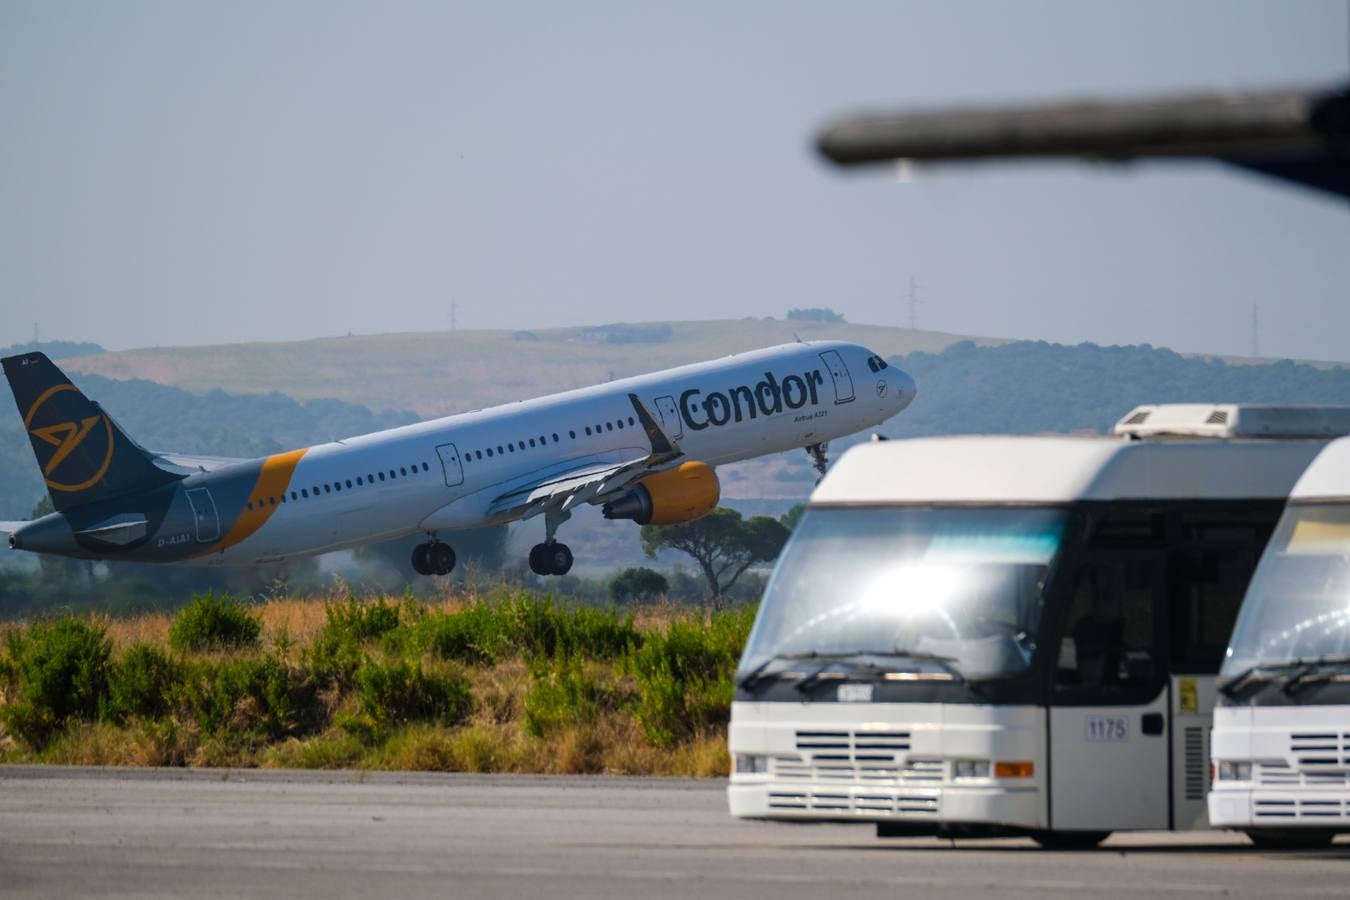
x=450, y=464
x=843, y=382
x=670, y=417
x=204, y=515
x=1109, y=748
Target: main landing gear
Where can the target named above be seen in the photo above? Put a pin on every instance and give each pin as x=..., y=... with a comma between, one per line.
x=433, y=558
x=551, y=557
x=819, y=459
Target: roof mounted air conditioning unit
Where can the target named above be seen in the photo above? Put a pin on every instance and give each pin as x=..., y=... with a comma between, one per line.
x=1233, y=420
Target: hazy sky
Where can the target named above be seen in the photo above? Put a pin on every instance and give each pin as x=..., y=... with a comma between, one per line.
x=189, y=173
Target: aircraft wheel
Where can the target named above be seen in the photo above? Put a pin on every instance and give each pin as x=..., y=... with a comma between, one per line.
x=550, y=558
x=559, y=559
x=442, y=559
x=539, y=560
x=421, y=559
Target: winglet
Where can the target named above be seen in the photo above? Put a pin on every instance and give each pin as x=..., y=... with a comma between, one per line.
x=662, y=445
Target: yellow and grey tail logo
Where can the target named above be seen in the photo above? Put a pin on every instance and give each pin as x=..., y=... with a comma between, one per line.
x=84, y=471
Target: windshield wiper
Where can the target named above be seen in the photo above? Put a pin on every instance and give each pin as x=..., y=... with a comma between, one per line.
x=1265, y=672
x=758, y=673
x=857, y=663
x=1312, y=673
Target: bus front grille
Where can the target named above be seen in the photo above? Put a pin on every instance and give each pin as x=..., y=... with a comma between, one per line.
x=858, y=757
x=874, y=802
x=1279, y=773
x=1320, y=748
x=1299, y=808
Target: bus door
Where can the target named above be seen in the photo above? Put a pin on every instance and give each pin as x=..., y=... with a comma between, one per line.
x=1109, y=747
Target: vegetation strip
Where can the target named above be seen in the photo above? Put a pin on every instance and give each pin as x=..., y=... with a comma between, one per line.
x=514, y=684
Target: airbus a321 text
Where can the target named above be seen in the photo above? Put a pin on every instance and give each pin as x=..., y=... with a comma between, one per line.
x=643, y=448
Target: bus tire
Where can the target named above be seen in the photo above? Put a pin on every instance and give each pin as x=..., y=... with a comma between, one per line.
x=1069, y=840
x=1290, y=838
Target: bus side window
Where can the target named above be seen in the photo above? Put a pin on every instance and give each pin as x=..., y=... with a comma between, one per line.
x=1109, y=639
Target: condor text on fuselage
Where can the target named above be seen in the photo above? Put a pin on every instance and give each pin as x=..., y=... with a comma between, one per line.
x=642, y=448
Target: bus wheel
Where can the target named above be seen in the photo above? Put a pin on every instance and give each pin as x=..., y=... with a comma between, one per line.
x=1290, y=838
x=1069, y=840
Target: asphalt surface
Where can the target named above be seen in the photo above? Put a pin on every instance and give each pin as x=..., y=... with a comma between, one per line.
x=157, y=833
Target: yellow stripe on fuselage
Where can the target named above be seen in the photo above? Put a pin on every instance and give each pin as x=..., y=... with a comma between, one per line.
x=273, y=482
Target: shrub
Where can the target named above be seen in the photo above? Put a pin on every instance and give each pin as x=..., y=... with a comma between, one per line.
x=638, y=583
x=60, y=669
x=484, y=633
x=685, y=676
x=558, y=697
x=536, y=628
x=247, y=696
x=214, y=623
x=140, y=683
x=336, y=652
x=398, y=692
x=470, y=635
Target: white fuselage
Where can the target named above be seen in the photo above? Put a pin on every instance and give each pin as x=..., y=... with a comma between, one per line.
x=444, y=474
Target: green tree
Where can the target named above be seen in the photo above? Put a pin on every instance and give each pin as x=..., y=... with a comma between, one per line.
x=722, y=543
x=638, y=583
x=793, y=516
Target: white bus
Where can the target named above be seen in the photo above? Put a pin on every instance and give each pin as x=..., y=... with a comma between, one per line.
x=1012, y=635
x=1281, y=740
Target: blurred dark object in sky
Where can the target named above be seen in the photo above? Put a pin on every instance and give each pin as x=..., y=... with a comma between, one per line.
x=1301, y=135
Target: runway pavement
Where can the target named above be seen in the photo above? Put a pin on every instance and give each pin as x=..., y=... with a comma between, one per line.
x=158, y=833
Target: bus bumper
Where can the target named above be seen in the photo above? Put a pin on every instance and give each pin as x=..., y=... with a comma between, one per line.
x=942, y=807
x=1260, y=808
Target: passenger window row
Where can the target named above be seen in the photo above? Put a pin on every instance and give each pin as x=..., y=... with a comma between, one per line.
x=543, y=440
x=337, y=486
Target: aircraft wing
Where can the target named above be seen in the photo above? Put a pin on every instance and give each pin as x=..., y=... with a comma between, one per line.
x=589, y=482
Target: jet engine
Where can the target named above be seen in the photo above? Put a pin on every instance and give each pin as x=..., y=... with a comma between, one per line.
x=682, y=494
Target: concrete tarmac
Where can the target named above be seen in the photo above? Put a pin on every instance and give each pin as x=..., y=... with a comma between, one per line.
x=174, y=833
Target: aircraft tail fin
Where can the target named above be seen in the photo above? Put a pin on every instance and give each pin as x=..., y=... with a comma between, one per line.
x=83, y=454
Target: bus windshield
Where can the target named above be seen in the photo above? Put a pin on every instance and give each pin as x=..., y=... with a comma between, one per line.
x=963, y=585
x=1297, y=608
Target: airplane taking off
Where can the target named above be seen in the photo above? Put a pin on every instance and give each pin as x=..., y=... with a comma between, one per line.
x=643, y=448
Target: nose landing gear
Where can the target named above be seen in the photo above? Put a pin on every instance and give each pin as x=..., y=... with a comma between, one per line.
x=433, y=558
x=819, y=458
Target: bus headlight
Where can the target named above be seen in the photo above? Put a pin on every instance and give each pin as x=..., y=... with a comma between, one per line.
x=751, y=764
x=1233, y=770
x=970, y=768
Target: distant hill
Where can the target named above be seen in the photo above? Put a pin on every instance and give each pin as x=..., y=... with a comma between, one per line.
x=53, y=349
x=438, y=373
x=1026, y=387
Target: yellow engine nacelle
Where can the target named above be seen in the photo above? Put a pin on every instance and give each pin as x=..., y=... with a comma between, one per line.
x=687, y=492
